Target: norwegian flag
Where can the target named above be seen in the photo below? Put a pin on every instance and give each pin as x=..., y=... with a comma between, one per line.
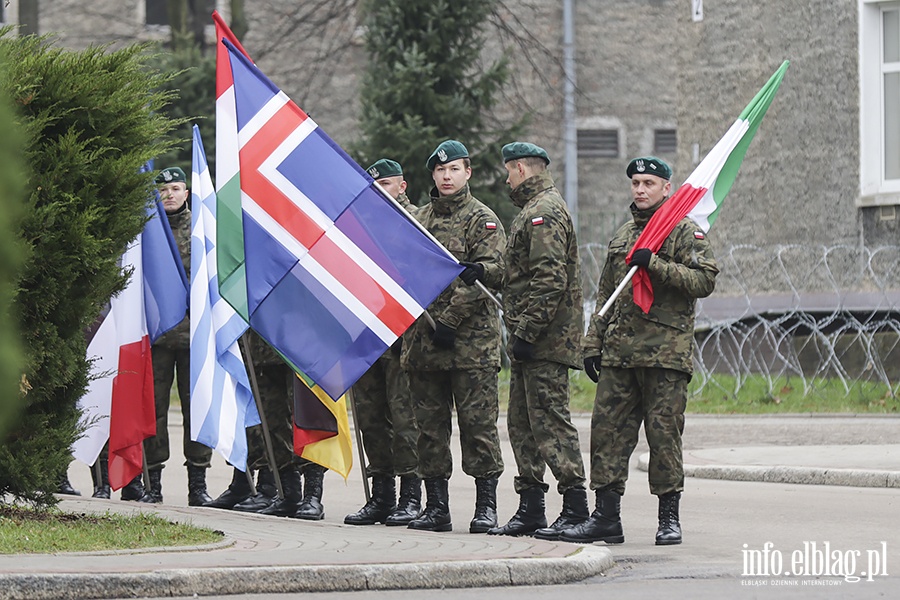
x=335, y=273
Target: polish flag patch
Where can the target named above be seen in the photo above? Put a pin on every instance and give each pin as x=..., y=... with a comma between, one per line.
x=537, y=221
x=490, y=225
x=699, y=235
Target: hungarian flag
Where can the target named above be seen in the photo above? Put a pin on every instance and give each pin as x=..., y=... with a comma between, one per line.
x=320, y=426
x=229, y=221
x=700, y=197
x=334, y=273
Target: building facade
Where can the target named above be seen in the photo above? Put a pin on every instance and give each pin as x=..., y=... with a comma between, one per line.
x=664, y=77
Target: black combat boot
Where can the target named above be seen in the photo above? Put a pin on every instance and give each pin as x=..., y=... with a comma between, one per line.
x=528, y=518
x=437, y=507
x=380, y=505
x=197, y=494
x=292, y=486
x=135, y=489
x=409, y=506
x=237, y=491
x=669, y=532
x=485, y=517
x=266, y=492
x=65, y=487
x=574, y=512
x=153, y=494
x=100, y=475
x=604, y=524
x=311, y=508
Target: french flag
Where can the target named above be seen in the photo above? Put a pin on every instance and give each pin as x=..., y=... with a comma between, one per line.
x=118, y=405
x=334, y=272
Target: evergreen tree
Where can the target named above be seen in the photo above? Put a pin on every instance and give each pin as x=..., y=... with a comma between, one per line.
x=193, y=81
x=426, y=82
x=91, y=119
x=192, y=65
x=11, y=170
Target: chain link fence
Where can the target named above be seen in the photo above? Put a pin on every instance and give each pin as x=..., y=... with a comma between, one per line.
x=808, y=315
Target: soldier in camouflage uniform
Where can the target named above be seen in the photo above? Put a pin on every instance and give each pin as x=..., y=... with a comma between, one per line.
x=384, y=412
x=457, y=362
x=642, y=363
x=542, y=308
x=275, y=383
x=171, y=360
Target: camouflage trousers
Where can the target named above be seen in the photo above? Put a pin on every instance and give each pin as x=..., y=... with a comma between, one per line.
x=626, y=398
x=167, y=364
x=385, y=416
x=540, y=427
x=474, y=392
x=276, y=395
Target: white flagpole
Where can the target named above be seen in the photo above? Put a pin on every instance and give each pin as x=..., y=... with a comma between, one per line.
x=618, y=290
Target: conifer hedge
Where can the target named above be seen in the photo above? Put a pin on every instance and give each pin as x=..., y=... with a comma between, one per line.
x=11, y=170
x=90, y=119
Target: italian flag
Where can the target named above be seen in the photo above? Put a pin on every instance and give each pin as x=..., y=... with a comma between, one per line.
x=229, y=222
x=701, y=196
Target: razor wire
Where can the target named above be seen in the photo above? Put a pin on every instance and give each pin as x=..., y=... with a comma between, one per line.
x=808, y=315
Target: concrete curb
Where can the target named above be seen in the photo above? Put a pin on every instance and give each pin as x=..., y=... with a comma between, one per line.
x=784, y=474
x=584, y=562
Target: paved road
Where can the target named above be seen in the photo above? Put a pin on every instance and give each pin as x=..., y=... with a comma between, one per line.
x=725, y=522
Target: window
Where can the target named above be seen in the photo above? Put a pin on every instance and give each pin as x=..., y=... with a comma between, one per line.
x=890, y=77
x=665, y=141
x=879, y=73
x=598, y=143
x=155, y=11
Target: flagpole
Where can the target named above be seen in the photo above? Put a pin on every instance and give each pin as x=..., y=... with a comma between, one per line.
x=359, y=444
x=267, y=438
x=145, y=469
x=618, y=290
x=422, y=228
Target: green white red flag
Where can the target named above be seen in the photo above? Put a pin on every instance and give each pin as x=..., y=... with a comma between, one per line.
x=229, y=222
x=700, y=197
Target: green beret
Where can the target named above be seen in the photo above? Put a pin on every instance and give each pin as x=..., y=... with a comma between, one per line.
x=517, y=150
x=385, y=168
x=171, y=175
x=448, y=151
x=649, y=165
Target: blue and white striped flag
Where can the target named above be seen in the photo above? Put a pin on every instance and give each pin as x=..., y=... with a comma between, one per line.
x=222, y=404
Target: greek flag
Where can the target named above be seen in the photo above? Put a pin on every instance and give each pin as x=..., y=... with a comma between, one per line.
x=222, y=405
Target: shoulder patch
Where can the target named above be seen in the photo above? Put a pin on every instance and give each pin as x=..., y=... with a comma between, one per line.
x=699, y=235
x=537, y=221
x=490, y=225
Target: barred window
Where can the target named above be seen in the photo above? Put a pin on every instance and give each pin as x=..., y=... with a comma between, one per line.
x=665, y=141
x=598, y=143
x=155, y=11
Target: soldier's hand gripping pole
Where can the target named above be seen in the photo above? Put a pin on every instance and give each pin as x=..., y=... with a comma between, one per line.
x=427, y=233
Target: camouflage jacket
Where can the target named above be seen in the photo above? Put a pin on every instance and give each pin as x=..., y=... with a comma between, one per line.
x=542, y=297
x=180, y=222
x=683, y=270
x=471, y=232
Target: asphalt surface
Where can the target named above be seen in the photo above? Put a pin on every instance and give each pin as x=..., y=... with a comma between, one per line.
x=796, y=482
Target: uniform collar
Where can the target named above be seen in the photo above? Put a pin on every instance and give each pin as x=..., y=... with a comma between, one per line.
x=641, y=217
x=529, y=188
x=444, y=205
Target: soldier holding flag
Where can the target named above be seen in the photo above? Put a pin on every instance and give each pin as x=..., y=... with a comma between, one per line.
x=642, y=363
